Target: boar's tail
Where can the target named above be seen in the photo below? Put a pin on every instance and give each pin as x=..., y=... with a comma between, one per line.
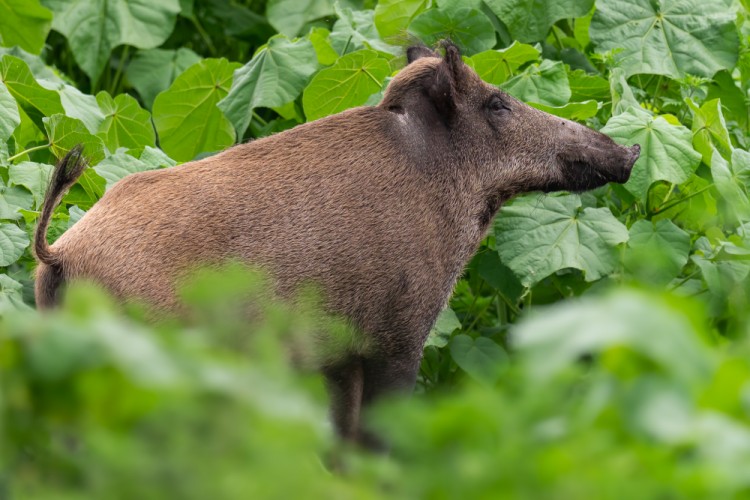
x=67, y=171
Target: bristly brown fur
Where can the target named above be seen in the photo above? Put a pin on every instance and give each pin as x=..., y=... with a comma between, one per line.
x=381, y=206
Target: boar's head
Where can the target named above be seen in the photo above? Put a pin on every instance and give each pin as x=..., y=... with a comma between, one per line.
x=457, y=121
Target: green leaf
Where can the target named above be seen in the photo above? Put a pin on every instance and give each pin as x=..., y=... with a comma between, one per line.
x=470, y=29
x=13, y=199
x=79, y=105
x=667, y=37
x=11, y=295
x=530, y=20
x=496, y=66
x=186, y=116
x=120, y=165
x=731, y=180
x=710, y=130
x=9, y=115
x=355, y=30
x=499, y=276
x=289, y=16
x=579, y=111
x=152, y=71
x=33, y=176
x=536, y=237
x=94, y=27
x=393, y=16
x=545, y=83
x=24, y=23
x=156, y=158
x=447, y=323
x=666, y=150
x=584, y=87
x=732, y=99
x=481, y=358
x=125, y=124
x=65, y=133
x=644, y=324
x=348, y=83
x=34, y=99
x=13, y=241
x=622, y=95
x=320, y=39
x=276, y=75
x=656, y=252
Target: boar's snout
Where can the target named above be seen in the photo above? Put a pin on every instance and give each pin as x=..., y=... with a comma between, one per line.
x=590, y=159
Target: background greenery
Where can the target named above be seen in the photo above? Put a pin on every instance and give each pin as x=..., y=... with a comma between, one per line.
x=634, y=386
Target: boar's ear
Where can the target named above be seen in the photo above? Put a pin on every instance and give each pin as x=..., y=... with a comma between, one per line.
x=417, y=52
x=442, y=89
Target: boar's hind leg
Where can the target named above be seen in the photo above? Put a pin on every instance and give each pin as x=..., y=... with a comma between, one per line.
x=344, y=381
x=388, y=374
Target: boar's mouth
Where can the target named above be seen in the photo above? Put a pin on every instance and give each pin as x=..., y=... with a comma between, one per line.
x=589, y=169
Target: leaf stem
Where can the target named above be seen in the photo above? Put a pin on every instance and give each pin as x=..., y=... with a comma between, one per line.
x=681, y=200
x=27, y=151
x=118, y=74
x=260, y=119
x=203, y=34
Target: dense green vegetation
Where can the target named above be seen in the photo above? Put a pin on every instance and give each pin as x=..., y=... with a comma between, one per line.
x=634, y=384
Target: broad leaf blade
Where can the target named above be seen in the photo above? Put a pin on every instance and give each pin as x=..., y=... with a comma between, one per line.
x=275, y=75
x=348, y=83
x=536, y=237
x=666, y=150
x=667, y=37
x=13, y=241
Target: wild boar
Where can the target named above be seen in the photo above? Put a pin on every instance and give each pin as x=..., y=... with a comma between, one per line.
x=381, y=206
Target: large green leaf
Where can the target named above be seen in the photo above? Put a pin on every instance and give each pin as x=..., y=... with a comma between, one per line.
x=710, y=130
x=34, y=99
x=539, y=236
x=65, y=133
x=33, y=176
x=496, y=66
x=186, y=116
x=24, y=23
x=125, y=124
x=530, y=20
x=275, y=75
x=13, y=241
x=545, y=83
x=11, y=295
x=470, y=29
x=645, y=324
x=393, y=16
x=348, y=83
x=731, y=180
x=78, y=105
x=666, y=150
x=656, y=252
x=94, y=27
x=289, y=16
x=10, y=118
x=447, y=323
x=572, y=111
x=667, y=37
x=152, y=71
x=120, y=165
x=355, y=30
x=481, y=358
x=13, y=199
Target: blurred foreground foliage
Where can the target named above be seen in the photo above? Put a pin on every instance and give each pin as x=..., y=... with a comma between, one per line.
x=623, y=395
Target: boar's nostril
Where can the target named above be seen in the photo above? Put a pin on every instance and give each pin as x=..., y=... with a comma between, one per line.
x=635, y=153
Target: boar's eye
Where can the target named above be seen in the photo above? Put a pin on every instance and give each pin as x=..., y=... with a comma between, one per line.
x=497, y=105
